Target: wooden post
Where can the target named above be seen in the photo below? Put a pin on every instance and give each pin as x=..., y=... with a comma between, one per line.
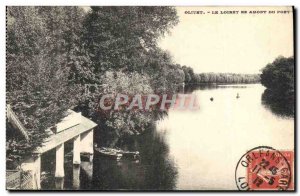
x=76, y=150
x=20, y=172
x=38, y=171
x=59, y=183
x=76, y=177
x=59, y=170
x=87, y=143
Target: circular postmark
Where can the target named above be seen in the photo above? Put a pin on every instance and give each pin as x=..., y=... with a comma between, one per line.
x=263, y=168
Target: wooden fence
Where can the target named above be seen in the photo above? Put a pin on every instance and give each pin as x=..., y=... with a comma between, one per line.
x=20, y=180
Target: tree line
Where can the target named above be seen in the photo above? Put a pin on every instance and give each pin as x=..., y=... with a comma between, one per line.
x=225, y=78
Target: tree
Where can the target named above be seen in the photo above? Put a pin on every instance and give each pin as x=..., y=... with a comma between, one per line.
x=188, y=77
x=122, y=45
x=121, y=123
x=120, y=38
x=279, y=75
x=39, y=85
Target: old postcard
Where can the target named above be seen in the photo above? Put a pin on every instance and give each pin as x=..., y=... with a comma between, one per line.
x=139, y=98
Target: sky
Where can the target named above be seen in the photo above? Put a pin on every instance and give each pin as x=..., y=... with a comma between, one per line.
x=238, y=43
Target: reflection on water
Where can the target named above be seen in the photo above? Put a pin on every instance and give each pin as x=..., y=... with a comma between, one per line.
x=191, y=88
x=155, y=171
x=192, y=149
x=279, y=104
x=207, y=144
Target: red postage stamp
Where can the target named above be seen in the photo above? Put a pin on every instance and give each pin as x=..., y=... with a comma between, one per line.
x=264, y=168
x=271, y=170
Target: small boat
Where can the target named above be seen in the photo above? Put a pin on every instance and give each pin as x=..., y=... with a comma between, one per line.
x=211, y=99
x=131, y=155
x=109, y=153
x=237, y=96
x=117, y=154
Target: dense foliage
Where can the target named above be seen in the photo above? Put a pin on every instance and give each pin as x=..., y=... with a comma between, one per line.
x=52, y=52
x=125, y=57
x=123, y=38
x=279, y=77
x=40, y=56
x=122, y=122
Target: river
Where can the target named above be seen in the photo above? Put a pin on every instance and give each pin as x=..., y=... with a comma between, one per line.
x=191, y=150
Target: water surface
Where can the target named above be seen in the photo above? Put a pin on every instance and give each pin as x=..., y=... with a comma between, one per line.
x=190, y=150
